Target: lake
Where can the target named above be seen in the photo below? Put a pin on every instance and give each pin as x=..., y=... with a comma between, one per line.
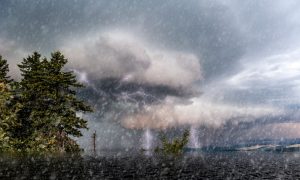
x=137, y=165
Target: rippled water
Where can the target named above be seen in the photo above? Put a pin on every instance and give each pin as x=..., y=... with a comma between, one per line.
x=110, y=165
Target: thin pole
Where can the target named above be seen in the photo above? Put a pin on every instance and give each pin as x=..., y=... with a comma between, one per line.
x=94, y=142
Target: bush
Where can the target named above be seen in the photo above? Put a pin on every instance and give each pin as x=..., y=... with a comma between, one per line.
x=173, y=147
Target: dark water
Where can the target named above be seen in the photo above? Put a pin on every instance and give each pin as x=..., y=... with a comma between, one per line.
x=218, y=165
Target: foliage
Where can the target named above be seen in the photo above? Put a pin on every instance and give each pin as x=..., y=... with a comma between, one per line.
x=42, y=109
x=4, y=78
x=7, y=117
x=174, y=147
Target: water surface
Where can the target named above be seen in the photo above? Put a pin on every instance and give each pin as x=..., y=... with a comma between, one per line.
x=136, y=165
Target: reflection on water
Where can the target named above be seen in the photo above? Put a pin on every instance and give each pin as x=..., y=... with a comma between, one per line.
x=134, y=164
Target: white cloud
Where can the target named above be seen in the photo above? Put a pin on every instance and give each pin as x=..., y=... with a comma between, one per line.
x=270, y=80
x=276, y=131
x=200, y=112
x=276, y=69
x=122, y=55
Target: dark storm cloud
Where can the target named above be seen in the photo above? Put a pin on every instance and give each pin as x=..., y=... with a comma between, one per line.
x=221, y=32
x=208, y=29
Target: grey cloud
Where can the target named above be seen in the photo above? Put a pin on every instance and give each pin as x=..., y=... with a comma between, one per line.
x=269, y=80
x=123, y=56
x=201, y=112
x=205, y=28
x=13, y=53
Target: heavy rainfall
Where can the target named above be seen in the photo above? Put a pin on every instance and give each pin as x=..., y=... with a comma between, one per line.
x=137, y=89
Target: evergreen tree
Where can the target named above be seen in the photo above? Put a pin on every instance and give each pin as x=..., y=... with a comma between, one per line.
x=4, y=78
x=4, y=92
x=7, y=109
x=49, y=104
x=65, y=104
x=32, y=73
x=4, y=113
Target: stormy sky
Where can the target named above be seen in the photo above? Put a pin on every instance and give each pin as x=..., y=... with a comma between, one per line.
x=231, y=69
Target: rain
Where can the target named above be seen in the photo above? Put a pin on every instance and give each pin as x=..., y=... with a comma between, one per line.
x=226, y=73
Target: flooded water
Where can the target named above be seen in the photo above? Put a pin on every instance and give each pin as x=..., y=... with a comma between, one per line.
x=213, y=165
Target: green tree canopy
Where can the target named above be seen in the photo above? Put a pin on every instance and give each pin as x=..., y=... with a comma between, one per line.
x=49, y=105
x=175, y=146
x=4, y=78
x=7, y=109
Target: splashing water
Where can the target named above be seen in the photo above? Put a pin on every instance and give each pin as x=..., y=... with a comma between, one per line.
x=147, y=139
x=194, y=140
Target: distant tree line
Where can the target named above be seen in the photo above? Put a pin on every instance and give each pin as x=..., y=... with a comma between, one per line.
x=39, y=113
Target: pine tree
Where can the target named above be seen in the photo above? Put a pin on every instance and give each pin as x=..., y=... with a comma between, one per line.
x=32, y=72
x=50, y=105
x=4, y=92
x=4, y=78
x=62, y=86
x=4, y=113
x=7, y=110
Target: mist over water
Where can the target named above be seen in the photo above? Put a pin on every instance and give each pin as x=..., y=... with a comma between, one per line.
x=147, y=140
x=194, y=138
